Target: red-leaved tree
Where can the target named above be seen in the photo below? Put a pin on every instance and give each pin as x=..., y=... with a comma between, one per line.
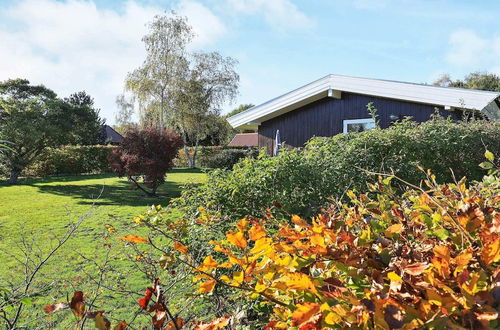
x=147, y=154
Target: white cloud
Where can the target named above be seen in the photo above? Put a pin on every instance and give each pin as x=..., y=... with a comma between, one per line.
x=472, y=52
x=467, y=48
x=282, y=14
x=75, y=45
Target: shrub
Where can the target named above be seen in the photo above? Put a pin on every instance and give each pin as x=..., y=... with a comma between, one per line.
x=428, y=258
x=71, y=160
x=146, y=153
x=301, y=181
x=216, y=156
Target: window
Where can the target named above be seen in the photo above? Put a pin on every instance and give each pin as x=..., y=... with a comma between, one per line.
x=358, y=125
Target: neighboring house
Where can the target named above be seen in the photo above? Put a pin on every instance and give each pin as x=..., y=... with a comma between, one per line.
x=336, y=104
x=245, y=140
x=109, y=135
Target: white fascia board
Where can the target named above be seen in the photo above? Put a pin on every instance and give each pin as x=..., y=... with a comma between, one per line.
x=432, y=95
x=289, y=99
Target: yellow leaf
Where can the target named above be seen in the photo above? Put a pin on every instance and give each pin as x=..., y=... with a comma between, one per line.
x=238, y=278
x=394, y=277
x=299, y=221
x=181, y=248
x=332, y=318
x=206, y=286
x=256, y=232
x=261, y=246
x=133, y=239
x=260, y=287
x=242, y=225
x=394, y=229
x=237, y=239
x=317, y=239
x=304, y=313
x=491, y=252
x=210, y=263
x=299, y=281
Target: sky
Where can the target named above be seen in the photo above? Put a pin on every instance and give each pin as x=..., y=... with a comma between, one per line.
x=91, y=45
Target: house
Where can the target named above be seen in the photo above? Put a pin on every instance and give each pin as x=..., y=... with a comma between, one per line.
x=336, y=104
x=245, y=140
x=109, y=135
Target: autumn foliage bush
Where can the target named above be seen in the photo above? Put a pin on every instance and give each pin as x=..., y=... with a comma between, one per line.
x=146, y=153
x=428, y=257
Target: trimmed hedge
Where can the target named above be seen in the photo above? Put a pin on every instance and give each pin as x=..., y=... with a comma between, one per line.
x=71, y=160
x=216, y=156
x=302, y=181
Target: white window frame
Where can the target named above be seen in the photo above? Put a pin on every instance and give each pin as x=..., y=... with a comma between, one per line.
x=358, y=121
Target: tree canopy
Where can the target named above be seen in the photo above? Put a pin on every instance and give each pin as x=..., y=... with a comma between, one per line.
x=475, y=80
x=180, y=89
x=33, y=118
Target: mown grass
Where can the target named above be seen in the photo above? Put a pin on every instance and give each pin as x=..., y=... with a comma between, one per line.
x=36, y=211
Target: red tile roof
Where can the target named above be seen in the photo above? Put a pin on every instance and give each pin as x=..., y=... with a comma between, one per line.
x=245, y=140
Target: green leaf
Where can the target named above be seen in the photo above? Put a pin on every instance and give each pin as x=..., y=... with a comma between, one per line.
x=441, y=233
x=486, y=165
x=489, y=155
x=26, y=301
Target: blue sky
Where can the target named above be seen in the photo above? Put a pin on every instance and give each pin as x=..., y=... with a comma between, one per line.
x=280, y=44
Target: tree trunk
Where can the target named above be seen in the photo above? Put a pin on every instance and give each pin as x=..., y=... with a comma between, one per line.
x=194, y=153
x=14, y=174
x=188, y=157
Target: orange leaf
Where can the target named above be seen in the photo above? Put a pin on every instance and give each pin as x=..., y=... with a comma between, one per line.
x=242, y=225
x=394, y=229
x=215, y=324
x=256, y=232
x=133, y=239
x=206, y=286
x=210, y=263
x=443, y=252
x=121, y=326
x=491, y=252
x=181, y=248
x=299, y=221
x=304, y=313
x=171, y=325
x=237, y=239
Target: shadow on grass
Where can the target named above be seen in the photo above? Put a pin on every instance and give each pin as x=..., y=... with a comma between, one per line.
x=115, y=193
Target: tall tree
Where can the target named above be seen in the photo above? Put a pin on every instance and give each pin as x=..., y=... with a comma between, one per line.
x=154, y=83
x=210, y=81
x=123, y=117
x=88, y=127
x=475, y=80
x=178, y=89
x=33, y=118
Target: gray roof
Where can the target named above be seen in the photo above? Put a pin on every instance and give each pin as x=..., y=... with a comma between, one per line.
x=333, y=85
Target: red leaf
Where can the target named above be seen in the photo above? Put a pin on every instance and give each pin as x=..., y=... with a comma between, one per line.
x=144, y=301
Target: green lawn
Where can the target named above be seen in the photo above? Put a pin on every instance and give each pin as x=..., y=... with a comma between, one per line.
x=39, y=209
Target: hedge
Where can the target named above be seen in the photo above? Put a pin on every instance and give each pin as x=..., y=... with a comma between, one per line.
x=71, y=160
x=216, y=156
x=302, y=181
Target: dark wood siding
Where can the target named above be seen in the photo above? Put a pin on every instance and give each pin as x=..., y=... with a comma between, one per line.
x=325, y=117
